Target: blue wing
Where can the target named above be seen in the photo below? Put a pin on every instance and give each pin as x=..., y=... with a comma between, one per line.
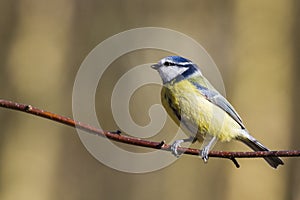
x=216, y=98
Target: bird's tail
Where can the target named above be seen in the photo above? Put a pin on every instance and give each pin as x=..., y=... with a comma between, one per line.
x=257, y=146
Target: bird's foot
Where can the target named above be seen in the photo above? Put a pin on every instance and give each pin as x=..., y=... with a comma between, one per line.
x=174, y=147
x=208, y=143
x=204, y=154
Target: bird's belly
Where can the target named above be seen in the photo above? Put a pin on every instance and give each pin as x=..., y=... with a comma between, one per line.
x=201, y=117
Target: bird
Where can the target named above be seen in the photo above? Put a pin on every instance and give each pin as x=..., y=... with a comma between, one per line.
x=191, y=101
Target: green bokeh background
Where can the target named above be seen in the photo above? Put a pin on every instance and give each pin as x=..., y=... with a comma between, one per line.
x=254, y=43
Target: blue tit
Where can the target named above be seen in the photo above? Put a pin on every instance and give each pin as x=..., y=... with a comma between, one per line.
x=205, y=114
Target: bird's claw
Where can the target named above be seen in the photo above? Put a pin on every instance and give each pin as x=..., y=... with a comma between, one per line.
x=204, y=154
x=174, y=147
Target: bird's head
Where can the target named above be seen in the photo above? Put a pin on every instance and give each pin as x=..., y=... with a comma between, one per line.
x=175, y=66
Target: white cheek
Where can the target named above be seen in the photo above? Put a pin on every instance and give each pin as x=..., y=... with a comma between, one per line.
x=170, y=72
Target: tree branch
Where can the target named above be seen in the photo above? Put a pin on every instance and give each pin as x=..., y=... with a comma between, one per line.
x=116, y=136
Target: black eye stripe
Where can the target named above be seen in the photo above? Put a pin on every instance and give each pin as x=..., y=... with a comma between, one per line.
x=167, y=63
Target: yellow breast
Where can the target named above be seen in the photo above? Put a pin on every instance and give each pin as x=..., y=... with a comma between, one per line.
x=184, y=103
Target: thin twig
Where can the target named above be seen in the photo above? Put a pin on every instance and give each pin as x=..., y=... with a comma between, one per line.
x=116, y=136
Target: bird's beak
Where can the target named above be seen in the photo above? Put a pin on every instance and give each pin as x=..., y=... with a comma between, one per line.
x=155, y=66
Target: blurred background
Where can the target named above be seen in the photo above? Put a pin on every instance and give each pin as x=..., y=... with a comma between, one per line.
x=254, y=43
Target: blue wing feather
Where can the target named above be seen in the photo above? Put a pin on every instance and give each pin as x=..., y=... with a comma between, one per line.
x=217, y=99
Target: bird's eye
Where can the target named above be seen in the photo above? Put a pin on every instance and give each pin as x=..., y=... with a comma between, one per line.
x=167, y=63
